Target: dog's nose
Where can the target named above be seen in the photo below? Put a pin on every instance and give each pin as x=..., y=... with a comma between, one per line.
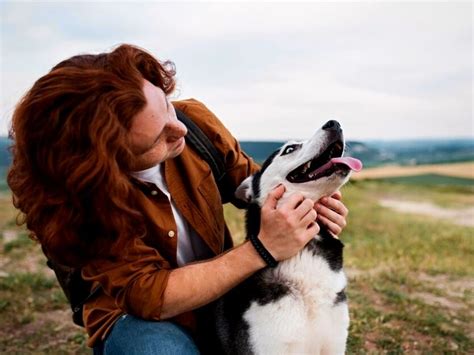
x=332, y=126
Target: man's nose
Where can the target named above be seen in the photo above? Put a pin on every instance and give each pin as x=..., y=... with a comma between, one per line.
x=176, y=129
x=332, y=125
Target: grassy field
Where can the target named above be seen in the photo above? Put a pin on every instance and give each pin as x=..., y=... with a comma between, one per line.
x=411, y=278
x=430, y=179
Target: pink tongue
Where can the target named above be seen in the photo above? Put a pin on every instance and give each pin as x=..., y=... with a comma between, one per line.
x=353, y=163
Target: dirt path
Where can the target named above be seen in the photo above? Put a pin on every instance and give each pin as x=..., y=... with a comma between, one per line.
x=464, y=170
x=464, y=216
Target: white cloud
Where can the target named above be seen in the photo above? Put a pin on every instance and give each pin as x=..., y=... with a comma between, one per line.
x=273, y=70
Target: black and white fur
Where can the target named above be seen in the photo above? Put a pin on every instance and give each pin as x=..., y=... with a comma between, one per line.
x=300, y=306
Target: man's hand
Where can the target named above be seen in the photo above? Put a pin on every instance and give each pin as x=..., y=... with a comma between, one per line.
x=286, y=229
x=332, y=213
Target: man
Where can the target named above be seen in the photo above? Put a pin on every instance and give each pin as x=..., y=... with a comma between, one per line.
x=103, y=176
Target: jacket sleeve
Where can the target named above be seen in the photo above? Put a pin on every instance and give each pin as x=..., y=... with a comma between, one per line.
x=238, y=164
x=136, y=280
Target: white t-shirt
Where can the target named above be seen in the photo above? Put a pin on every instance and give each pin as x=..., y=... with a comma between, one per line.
x=190, y=246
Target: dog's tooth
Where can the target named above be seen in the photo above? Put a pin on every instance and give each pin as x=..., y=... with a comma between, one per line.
x=306, y=167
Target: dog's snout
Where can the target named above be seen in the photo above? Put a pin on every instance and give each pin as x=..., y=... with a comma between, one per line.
x=332, y=126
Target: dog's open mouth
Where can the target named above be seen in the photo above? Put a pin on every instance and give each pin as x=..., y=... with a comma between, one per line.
x=325, y=164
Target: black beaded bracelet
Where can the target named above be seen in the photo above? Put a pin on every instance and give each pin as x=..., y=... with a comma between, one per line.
x=262, y=251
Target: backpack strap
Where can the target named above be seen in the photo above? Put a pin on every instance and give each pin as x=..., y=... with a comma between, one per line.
x=76, y=290
x=201, y=143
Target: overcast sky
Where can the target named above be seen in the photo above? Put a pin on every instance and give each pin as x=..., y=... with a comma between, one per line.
x=272, y=70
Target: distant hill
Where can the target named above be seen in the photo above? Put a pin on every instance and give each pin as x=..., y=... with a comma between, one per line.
x=259, y=151
x=5, y=158
x=413, y=152
x=376, y=153
x=372, y=153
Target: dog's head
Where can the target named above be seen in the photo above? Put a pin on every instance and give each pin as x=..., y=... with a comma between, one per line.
x=314, y=167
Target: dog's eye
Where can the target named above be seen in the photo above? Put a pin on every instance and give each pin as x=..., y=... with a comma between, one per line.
x=290, y=149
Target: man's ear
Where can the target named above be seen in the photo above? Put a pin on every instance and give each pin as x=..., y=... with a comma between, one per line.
x=244, y=191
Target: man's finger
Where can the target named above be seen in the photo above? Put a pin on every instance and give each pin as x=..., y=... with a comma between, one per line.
x=274, y=196
x=294, y=201
x=335, y=205
x=331, y=215
x=309, y=217
x=304, y=207
x=333, y=227
x=337, y=195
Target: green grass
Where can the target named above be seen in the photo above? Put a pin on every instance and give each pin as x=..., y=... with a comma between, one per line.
x=401, y=321
x=431, y=180
x=21, y=242
x=377, y=236
x=391, y=253
x=34, y=313
x=20, y=280
x=455, y=196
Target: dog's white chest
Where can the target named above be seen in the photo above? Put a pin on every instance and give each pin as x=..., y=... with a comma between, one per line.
x=306, y=320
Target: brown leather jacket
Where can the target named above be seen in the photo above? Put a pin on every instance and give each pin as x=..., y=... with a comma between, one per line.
x=134, y=281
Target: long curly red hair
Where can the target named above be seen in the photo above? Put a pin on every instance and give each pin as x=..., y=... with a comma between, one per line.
x=71, y=152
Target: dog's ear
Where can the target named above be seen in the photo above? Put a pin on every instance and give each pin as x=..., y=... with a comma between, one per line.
x=244, y=191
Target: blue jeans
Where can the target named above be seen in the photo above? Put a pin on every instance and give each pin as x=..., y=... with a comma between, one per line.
x=131, y=335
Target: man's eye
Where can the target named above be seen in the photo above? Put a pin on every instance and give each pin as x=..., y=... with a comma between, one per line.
x=290, y=149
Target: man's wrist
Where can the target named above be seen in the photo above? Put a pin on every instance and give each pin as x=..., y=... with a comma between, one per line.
x=253, y=255
x=266, y=256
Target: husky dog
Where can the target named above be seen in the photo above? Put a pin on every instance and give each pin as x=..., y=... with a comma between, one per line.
x=298, y=307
